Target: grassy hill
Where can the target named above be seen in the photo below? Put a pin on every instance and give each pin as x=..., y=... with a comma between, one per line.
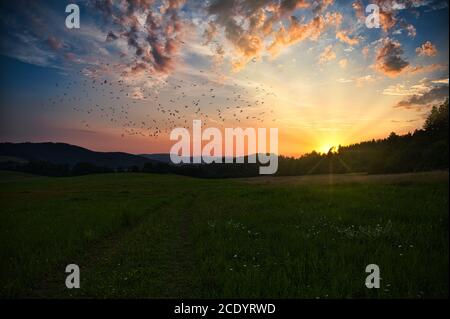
x=144, y=235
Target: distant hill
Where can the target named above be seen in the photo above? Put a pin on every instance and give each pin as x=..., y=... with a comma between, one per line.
x=164, y=157
x=61, y=153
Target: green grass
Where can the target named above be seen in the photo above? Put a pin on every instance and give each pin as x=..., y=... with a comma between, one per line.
x=164, y=236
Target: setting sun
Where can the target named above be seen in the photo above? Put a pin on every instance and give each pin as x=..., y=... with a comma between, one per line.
x=325, y=148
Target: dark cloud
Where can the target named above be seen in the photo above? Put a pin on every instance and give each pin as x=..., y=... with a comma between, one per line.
x=155, y=42
x=287, y=6
x=434, y=95
x=389, y=60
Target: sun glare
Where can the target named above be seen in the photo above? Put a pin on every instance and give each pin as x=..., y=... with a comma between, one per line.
x=325, y=148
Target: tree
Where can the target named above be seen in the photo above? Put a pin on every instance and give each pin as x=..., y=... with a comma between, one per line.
x=437, y=120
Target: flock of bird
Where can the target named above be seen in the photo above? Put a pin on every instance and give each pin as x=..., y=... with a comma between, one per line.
x=151, y=111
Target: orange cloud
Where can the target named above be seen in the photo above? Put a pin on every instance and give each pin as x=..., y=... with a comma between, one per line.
x=359, y=10
x=387, y=20
x=427, y=49
x=343, y=37
x=327, y=55
x=365, y=51
x=297, y=32
x=249, y=25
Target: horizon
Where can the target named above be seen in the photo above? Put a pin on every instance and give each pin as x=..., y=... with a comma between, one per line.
x=333, y=147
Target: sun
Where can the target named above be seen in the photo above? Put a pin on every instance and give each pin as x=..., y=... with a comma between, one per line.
x=325, y=148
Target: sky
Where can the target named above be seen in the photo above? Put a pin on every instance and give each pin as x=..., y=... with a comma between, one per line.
x=135, y=70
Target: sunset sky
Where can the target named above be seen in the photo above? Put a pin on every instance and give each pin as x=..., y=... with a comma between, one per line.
x=137, y=69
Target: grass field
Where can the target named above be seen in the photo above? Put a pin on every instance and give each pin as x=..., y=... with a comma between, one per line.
x=164, y=236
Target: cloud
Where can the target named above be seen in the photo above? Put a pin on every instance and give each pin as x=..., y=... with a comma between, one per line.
x=343, y=37
x=389, y=12
x=426, y=68
x=412, y=32
x=404, y=90
x=120, y=38
x=427, y=49
x=365, y=51
x=296, y=32
x=389, y=60
x=157, y=40
x=359, y=10
x=434, y=95
x=137, y=94
x=327, y=55
x=144, y=37
x=440, y=81
x=343, y=80
x=362, y=80
x=210, y=33
x=321, y=6
x=387, y=20
x=343, y=63
x=359, y=81
x=256, y=28
x=147, y=37
x=287, y=6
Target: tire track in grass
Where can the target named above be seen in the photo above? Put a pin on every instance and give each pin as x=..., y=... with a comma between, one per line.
x=53, y=283
x=152, y=259
x=184, y=259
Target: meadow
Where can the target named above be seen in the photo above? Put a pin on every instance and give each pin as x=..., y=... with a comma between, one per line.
x=139, y=235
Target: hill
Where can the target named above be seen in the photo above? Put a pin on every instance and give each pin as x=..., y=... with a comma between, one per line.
x=163, y=157
x=66, y=154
